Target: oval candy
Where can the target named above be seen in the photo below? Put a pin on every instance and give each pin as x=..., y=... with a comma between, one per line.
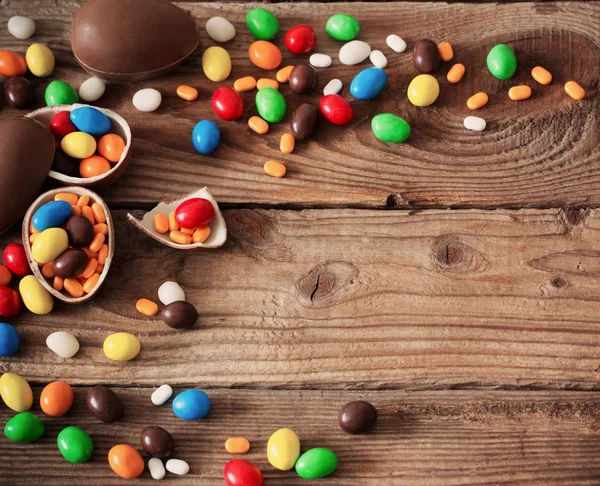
x=262, y=24
x=426, y=56
x=21, y=27
x=179, y=315
x=220, y=29
x=354, y=52
x=9, y=340
x=283, y=449
x=191, y=405
x=56, y=398
x=90, y=120
x=170, y=291
x=10, y=303
x=15, y=259
x=50, y=243
x=12, y=64
x=216, y=64
x=104, y=404
x=357, y=417
x=206, y=137
x=242, y=473
x=336, y=109
x=227, y=103
x=157, y=442
x=265, y=55
x=367, y=84
x=18, y=92
x=194, y=212
x=24, y=427
x=74, y=444
x=342, y=27
x=147, y=100
x=35, y=297
x=271, y=105
x=423, y=90
x=388, y=127
x=316, y=463
x=502, y=62
x=125, y=461
x=60, y=93
x=303, y=79
x=300, y=39
x=121, y=346
x=304, y=121
x=78, y=145
x=15, y=392
x=92, y=89
x=52, y=215
x=40, y=60
x=63, y=343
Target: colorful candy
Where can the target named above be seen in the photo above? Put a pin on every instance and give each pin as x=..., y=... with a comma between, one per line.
x=300, y=39
x=271, y=105
x=216, y=64
x=12, y=64
x=92, y=89
x=161, y=394
x=170, y=292
x=242, y=473
x=177, y=466
x=18, y=92
x=342, y=27
x=258, y=125
x=5, y=275
x=267, y=83
x=227, y=103
x=395, y=43
x=56, y=398
x=147, y=100
x=262, y=24
x=50, y=215
x=179, y=315
x=456, y=73
x=304, y=121
x=283, y=449
x=541, y=75
x=237, y=445
x=90, y=120
x=10, y=304
x=333, y=87
x=121, y=346
x=61, y=124
x=388, y=127
x=194, y=212
x=320, y=60
x=206, y=136
x=146, y=307
x=247, y=83
x=24, y=427
x=303, y=79
x=80, y=230
x=502, y=62
x=265, y=55
x=357, y=417
x=21, y=27
x=220, y=29
x=60, y=93
x=70, y=264
x=93, y=166
x=157, y=442
x=35, y=297
x=125, y=461
x=40, y=60
x=111, y=147
x=478, y=100
x=75, y=445
x=15, y=259
x=519, y=93
x=446, y=51
x=378, y=59
x=104, y=404
x=283, y=75
x=336, y=109
x=15, y=392
x=316, y=463
x=187, y=92
x=49, y=245
x=474, y=123
x=287, y=143
x=426, y=57
x=191, y=405
x=274, y=168
x=160, y=223
x=78, y=145
x=423, y=90
x=156, y=468
x=574, y=90
x=354, y=52
x=368, y=83
x=9, y=340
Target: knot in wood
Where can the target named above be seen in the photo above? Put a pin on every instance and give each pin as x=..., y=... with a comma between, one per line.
x=324, y=281
x=450, y=253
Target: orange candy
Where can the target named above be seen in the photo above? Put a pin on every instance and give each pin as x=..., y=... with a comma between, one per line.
x=58, y=283
x=181, y=238
x=518, y=93
x=283, y=75
x=101, y=228
x=97, y=242
x=47, y=270
x=287, y=143
x=89, y=269
x=87, y=212
x=242, y=85
x=446, y=51
x=83, y=201
x=98, y=213
x=67, y=196
x=201, y=234
x=32, y=237
x=264, y=54
x=93, y=166
x=173, y=226
x=103, y=254
x=541, y=75
x=477, y=101
x=111, y=147
x=56, y=398
x=5, y=275
x=161, y=223
x=257, y=124
x=266, y=82
x=574, y=90
x=187, y=92
x=237, y=445
x=91, y=283
x=125, y=461
x=275, y=169
x=73, y=287
x=146, y=307
x=12, y=64
x=456, y=73
x=187, y=231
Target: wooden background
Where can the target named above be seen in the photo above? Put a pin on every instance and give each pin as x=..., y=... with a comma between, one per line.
x=468, y=314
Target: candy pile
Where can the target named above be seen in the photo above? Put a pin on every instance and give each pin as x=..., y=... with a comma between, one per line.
x=188, y=223
x=177, y=313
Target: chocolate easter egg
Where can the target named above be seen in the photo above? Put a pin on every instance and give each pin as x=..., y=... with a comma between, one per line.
x=126, y=40
x=26, y=154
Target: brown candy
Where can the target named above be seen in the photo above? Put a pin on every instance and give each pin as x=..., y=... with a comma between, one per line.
x=65, y=165
x=303, y=79
x=18, y=92
x=157, y=442
x=104, y=404
x=357, y=417
x=426, y=56
x=79, y=230
x=70, y=264
x=179, y=315
x=304, y=121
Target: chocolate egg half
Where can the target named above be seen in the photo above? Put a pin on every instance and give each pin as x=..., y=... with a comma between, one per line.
x=128, y=40
x=26, y=153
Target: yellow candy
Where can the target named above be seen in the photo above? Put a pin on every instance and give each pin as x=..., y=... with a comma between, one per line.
x=216, y=63
x=283, y=449
x=423, y=90
x=79, y=145
x=35, y=297
x=49, y=245
x=40, y=60
x=121, y=346
x=15, y=392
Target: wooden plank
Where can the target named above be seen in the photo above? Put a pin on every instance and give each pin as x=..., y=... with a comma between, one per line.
x=427, y=438
x=543, y=152
x=349, y=299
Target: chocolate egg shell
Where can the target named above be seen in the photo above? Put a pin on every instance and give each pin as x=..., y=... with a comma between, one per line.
x=304, y=121
x=104, y=404
x=157, y=442
x=179, y=315
x=26, y=153
x=129, y=40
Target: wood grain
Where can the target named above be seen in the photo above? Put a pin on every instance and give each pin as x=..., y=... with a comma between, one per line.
x=543, y=152
x=349, y=299
x=426, y=438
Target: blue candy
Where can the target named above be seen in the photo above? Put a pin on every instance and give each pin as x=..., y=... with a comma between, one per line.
x=90, y=120
x=191, y=404
x=52, y=215
x=9, y=340
x=368, y=83
x=206, y=136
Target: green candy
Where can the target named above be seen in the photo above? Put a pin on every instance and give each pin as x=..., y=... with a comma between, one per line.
x=388, y=127
x=342, y=27
x=60, y=93
x=271, y=105
x=262, y=24
x=501, y=62
x=75, y=445
x=316, y=463
x=24, y=427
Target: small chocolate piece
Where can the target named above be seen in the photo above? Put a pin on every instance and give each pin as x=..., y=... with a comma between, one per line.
x=357, y=417
x=104, y=404
x=304, y=121
x=65, y=164
x=426, y=56
x=303, y=79
x=18, y=92
x=70, y=264
x=179, y=315
x=79, y=230
x=157, y=442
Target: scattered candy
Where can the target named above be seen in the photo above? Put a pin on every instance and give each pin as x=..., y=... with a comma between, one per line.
x=474, y=123
x=541, y=75
x=147, y=100
x=426, y=57
x=206, y=137
x=320, y=60
x=24, y=427
x=60, y=93
x=265, y=55
x=303, y=79
x=56, y=398
x=283, y=75
x=40, y=60
x=111, y=146
x=92, y=89
x=456, y=73
x=262, y=24
x=156, y=468
x=395, y=43
x=15, y=392
x=333, y=87
x=161, y=394
x=18, y=92
x=388, y=127
x=368, y=83
x=125, y=461
x=423, y=90
x=146, y=307
x=10, y=304
x=357, y=417
x=75, y=445
x=157, y=442
x=287, y=143
x=21, y=27
x=283, y=449
x=258, y=125
x=244, y=84
x=170, y=292
x=12, y=64
x=304, y=121
x=267, y=83
x=237, y=445
x=35, y=297
x=104, y=404
x=275, y=168
x=9, y=340
x=242, y=473
x=300, y=39
x=354, y=52
x=121, y=346
x=216, y=64
x=191, y=405
x=574, y=90
x=220, y=29
x=271, y=105
x=478, y=100
x=63, y=343
x=501, y=61
x=446, y=51
x=187, y=93
x=5, y=275
x=519, y=93
x=378, y=59
x=179, y=315
x=90, y=120
x=227, y=104
x=336, y=109
x=177, y=466
x=316, y=463
x=15, y=259
x=78, y=145
x=342, y=27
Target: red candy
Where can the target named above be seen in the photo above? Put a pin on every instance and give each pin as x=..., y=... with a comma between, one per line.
x=10, y=304
x=61, y=124
x=194, y=212
x=301, y=39
x=227, y=103
x=242, y=473
x=336, y=109
x=16, y=259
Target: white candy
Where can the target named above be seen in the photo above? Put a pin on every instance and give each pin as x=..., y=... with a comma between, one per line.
x=156, y=468
x=147, y=100
x=161, y=394
x=21, y=27
x=170, y=292
x=475, y=123
x=91, y=89
x=220, y=29
x=378, y=59
x=320, y=60
x=354, y=52
x=177, y=466
x=395, y=43
x=63, y=343
x=333, y=87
